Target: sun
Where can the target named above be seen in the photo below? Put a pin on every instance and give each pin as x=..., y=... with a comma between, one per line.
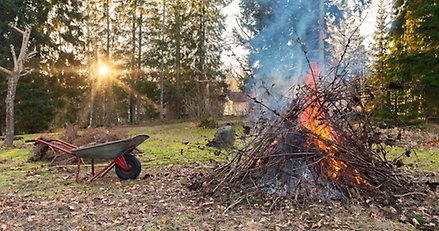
x=103, y=70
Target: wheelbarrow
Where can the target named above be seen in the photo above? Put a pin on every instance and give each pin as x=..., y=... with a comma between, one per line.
x=127, y=165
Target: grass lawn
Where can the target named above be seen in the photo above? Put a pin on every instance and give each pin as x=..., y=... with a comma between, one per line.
x=422, y=160
x=182, y=143
x=174, y=144
x=168, y=144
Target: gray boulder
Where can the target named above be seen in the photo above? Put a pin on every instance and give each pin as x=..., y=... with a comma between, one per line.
x=224, y=138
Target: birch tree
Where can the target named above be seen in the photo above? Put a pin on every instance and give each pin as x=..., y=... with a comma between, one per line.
x=13, y=76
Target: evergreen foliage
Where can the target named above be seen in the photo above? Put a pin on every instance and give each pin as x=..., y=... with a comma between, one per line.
x=74, y=37
x=407, y=63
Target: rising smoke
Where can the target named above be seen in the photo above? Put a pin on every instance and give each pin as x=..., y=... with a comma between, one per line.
x=288, y=34
x=284, y=29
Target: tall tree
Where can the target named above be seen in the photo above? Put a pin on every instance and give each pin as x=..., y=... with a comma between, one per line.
x=45, y=92
x=345, y=48
x=379, y=78
x=178, y=24
x=209, y=25
x=64, y=65
x=13, y=76
x=134, y=66
x=162, y=64
x=414, y=59
x=103, y=21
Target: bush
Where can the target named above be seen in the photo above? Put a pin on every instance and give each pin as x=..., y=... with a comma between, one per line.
x=208, y=122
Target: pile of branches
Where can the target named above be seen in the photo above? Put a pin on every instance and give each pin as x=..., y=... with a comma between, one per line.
x=87, y=137
x=281, y=144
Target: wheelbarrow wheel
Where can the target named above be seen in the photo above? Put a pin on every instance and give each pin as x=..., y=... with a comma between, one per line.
x=133, y=171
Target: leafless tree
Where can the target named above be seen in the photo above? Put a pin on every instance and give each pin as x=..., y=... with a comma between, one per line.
x=13, y=76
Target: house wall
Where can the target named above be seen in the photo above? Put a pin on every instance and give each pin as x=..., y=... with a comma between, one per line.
x=236, y=108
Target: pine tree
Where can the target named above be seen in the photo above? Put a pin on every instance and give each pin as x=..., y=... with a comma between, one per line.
x=191, y=50
x=380, y=78
x=344, y=42
x=55, y=37
x=208, y=23
x=414, y=59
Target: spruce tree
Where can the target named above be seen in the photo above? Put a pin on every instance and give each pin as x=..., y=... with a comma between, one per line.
x=414, y=59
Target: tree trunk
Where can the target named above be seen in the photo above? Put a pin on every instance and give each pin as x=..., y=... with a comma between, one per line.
x=178, y=102
x=93, y=58
x=107, y=18
x=133, y=64
x=13, y=76
x=10, y=97
x=162, y=73
x=206, y=95
x=139, y=58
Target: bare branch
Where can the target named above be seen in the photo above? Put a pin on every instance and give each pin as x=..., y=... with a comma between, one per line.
x=31, y=55
x=14, y=55
x=22, y=56
x=26, y=71
x=5, y=71
x=14, y=26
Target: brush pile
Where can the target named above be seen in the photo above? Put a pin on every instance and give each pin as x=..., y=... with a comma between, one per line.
x=87, y=137
x=322, y=146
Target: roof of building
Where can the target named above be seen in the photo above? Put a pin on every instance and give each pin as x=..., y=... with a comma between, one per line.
x=238, y=97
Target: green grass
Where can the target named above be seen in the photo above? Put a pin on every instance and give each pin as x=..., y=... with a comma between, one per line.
x=423, y=160
x=182, y=143
x=178, y=144
x=16, y=155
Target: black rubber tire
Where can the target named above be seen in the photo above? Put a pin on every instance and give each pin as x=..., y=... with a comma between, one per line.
x=133, y=173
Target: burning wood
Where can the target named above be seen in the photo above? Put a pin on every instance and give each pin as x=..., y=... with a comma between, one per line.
x=324, y=137
x=314, y=150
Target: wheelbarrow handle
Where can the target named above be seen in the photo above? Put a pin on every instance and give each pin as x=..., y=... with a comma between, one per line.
x=43, y=138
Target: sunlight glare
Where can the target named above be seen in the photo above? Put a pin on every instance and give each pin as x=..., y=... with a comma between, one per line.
x=103, y=70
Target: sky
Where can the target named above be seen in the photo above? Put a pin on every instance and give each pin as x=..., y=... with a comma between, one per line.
x=232, y=10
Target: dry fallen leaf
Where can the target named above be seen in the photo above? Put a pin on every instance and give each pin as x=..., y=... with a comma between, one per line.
x=317, y=225
x=164, y=219
x=30, y=218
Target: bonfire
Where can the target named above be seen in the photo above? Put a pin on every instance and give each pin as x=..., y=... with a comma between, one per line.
x=322, y=146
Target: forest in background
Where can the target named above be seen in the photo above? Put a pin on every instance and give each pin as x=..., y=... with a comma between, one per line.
x=166, y=58
x=405, y=63
x=147, y=46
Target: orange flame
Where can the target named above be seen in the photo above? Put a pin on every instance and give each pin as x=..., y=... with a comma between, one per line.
x=313, y=118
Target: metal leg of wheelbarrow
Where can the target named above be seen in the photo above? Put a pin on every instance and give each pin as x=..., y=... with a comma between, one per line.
x=92, y=166
x=119, y=160
x=77, y=170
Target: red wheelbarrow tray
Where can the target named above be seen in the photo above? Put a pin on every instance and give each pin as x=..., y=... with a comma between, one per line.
x=109, y=150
